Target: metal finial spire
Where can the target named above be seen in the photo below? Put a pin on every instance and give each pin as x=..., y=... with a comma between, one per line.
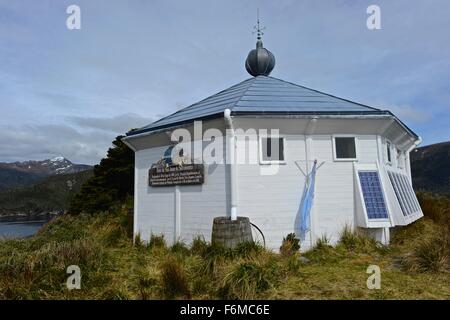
x=260, y=61
x=258, y=29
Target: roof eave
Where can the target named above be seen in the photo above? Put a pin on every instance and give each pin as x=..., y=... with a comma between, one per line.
x=337, y=114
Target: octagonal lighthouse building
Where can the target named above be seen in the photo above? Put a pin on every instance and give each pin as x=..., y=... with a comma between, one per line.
x=289, y=158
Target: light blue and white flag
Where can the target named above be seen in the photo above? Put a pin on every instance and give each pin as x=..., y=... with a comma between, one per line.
x=307, y=201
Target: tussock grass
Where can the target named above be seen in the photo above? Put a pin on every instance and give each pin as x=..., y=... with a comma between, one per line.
x=290, y=245
x=180, y=248
x=428, y=253
x=157, y=241
x=248, y=249
x=248, y=279
x=435, y=207
x=114, y=268
x=424, y=246
x=199, y=245
x=355, y=240
x=174, y=279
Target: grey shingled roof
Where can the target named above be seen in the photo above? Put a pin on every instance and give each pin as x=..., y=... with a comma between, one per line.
x=263, y=95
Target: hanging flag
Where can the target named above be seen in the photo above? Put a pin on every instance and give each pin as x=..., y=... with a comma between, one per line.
x=307, y=200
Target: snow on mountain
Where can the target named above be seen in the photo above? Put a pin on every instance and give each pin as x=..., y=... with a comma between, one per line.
x=57, y=159
x=26, y=172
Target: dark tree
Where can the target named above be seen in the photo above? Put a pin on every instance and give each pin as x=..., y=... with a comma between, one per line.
x=112, y=183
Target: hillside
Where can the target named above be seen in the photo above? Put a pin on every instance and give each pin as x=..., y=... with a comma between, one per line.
x=52, y=194
x=430, y=167
x=26, y=173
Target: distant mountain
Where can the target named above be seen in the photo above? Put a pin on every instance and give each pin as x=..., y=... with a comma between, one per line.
x=430, y=168
x=20, y=174
x=52, y=194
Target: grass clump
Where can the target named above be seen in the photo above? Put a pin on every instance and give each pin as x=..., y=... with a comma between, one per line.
x=248, y=249
x=430, y=253
x=290, y=245
x=174, y=279
x=435, y=207
x=180, y=248
x=157, y=242
x=199, y=245
x=248, y=279
x=357, y=241
x=213, y=255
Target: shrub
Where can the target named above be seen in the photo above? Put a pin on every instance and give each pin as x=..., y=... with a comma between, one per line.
x=290, y=245
x=174, y=279
x=112, y=182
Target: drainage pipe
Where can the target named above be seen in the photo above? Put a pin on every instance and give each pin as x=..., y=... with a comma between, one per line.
x=231, y=158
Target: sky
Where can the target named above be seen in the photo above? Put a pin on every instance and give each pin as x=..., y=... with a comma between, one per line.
x=71, y=92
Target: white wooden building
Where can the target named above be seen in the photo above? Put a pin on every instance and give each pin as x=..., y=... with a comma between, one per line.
x=363, y=178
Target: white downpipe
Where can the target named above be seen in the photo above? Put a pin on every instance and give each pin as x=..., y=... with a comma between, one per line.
x=231, y=156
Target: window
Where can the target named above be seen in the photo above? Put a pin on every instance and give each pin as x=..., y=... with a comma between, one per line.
x=388, y=151
x=272, y=149
x=400, y=159
x=404, y=193
x=344, y=148
x=373, y=195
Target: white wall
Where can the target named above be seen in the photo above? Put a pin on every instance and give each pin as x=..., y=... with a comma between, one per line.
x=155, y=207
x=270, y=201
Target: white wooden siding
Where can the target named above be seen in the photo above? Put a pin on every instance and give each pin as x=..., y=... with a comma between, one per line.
x=199, y=204
x=271, y=202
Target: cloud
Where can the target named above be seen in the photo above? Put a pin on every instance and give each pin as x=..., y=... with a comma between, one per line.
x=133, y=58
x=82, y=140
x=117, y=124
x=410, y=114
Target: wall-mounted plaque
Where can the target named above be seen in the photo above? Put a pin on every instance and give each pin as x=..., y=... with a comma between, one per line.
x=186, y=174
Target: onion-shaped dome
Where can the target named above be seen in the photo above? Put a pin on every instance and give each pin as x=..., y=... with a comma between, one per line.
x=260, y=61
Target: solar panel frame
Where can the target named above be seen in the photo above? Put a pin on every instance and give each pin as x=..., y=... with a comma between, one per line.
x=404, y=193
x=373, y=195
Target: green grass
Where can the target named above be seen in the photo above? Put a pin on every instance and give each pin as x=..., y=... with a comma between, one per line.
x=414, y=266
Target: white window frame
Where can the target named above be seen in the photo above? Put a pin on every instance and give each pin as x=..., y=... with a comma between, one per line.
x=386, y=142
x=261, y=159
x=335, y=158
x=401, y=160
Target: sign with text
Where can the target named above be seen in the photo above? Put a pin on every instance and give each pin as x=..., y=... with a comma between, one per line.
x=172, y=175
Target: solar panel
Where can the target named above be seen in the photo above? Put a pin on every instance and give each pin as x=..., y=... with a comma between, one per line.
x=373, y=195
x=405, y=193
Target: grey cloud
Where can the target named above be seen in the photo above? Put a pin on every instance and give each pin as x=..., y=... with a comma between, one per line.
x=118, y=124
x=82, y=140
x=34, y=142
